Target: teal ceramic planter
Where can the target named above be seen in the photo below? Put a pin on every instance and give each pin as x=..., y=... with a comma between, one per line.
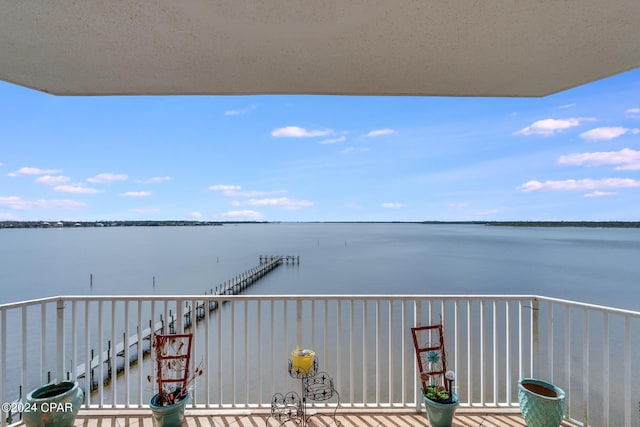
x=541, y=403
x=440, y=414
x=53, y=405
x=168, y=416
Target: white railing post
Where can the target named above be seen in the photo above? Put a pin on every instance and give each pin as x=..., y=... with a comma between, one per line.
x=3, y=363
x=60, y=340
x=535, y=337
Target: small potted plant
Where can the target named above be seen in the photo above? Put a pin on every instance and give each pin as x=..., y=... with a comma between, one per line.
x=440, y=401
x=174, y=378
x=437, y=383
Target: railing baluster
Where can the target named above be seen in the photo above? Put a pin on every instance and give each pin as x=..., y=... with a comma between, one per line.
x=391, y=378
x=207, y=354
x=87, y=356
x=3, y=363
x=520, y=341
x=535, y=337
x=567, y=356
x=456, y=342
x=377, y=357
x=247, y=352
x=507, y=345
x=550, y=341
x=23, y=374
x=232, y=346
x=605, y=369
x=483, y=350
x=219, y=314
x=273, y=347
x=585, y=364
x=495, y=352
x=365, y=353
x=140, y=350
x=74, y=341
x=113, y=370
x=43, y=342
x=469, y=354
x=100, y=355
x=627, y=372
x=126, y=357
x=259, y=352
x=403, y=346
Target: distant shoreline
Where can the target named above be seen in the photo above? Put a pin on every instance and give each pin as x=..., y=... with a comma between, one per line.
x=169, y=223
x=592, y=224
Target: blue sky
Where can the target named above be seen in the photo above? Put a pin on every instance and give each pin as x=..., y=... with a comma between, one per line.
x=574, y=155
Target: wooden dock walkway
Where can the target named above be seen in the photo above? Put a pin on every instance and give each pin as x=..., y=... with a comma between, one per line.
x=142, y=344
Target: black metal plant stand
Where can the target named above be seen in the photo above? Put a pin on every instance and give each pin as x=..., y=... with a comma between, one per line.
x=316, y=386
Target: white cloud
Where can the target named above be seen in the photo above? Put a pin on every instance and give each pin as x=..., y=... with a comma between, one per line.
x=154, y=180
x=34, y=171
x=17, y=203
x=333, y=140
x=253, y=193
x=52, y=180
x=136, y=194
x=606, y=133
x=76, y=189
x=195, y=215
x=626, y=159
x=243, y=215
x=633, y=113
x=548, y=127
x=103, y=178
x=281, y=202
x=354, y=150
x=600, y=194
x=579, y=184
x=380, y=132
x=567, y=106
x=236, y=191
x=458, y=205
x=223, y=187
x=393, y=205
x=241, y=111
x=298, y=132
x=487, y=212
x=146, y=210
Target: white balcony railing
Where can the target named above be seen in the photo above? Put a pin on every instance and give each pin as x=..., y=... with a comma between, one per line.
x=363, y=342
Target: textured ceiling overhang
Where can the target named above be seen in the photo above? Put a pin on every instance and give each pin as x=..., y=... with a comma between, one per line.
x=355, y=47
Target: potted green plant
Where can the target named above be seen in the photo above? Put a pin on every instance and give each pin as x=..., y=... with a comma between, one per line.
x=174, y=376
x=440, y=401
x=437, y=383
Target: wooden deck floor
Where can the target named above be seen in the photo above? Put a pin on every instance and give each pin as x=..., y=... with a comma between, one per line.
x=360, y=419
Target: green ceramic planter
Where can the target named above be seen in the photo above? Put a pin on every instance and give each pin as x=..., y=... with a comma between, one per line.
x=168, y=416
x=53, y=405
x=541, y=403
x=440, y=414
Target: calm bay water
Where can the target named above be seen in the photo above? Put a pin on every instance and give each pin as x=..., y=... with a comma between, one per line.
x=590, y=265
x=595, y=265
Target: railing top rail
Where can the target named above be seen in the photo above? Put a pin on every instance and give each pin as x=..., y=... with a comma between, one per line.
x=596, y=307
x=395, y=297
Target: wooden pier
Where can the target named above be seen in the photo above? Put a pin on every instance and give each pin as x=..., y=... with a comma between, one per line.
x=140, y=343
